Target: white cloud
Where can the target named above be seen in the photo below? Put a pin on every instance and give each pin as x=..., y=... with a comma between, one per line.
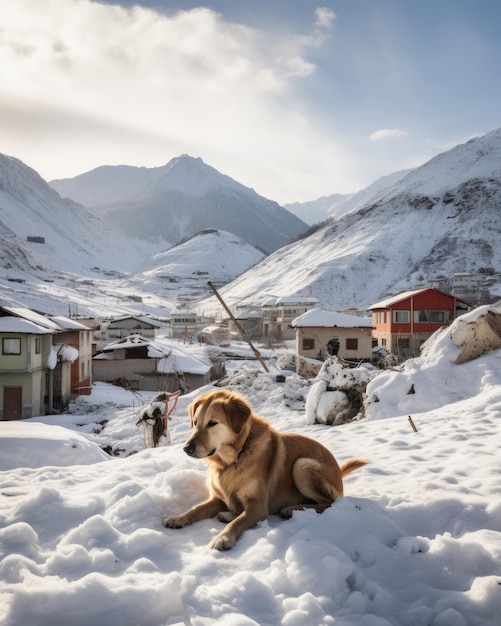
x=84, y=84
x=324, y=17
x=387, y=133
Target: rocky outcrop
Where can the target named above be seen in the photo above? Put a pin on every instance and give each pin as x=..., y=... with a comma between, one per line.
x=477, y=336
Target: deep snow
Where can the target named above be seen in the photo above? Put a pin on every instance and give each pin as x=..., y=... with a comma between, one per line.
x=415, y=540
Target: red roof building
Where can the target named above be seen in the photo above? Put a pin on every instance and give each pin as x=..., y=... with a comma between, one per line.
x=403, y=322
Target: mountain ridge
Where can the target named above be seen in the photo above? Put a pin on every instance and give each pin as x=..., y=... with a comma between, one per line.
x=427, y=224
x=176, y=201
x=436, y=220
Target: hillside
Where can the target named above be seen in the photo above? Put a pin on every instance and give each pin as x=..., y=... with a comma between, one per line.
x=337, y=205
x=412, y=229
x=179, y=276
x=39, y=231
x=438, y=219
x=174, y=202
x=315, y=211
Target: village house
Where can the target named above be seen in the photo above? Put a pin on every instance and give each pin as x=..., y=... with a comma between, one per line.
x=37, y=358
x=120, y=327
x=215, y=335
x=184, y=324
x=278, y=313
x=321, y=334
x=24, y=380
x=250, y=320
x=404, y=322
x=142, y=364
x=78, y=336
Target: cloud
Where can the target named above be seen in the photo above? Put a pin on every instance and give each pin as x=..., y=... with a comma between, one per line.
x=324, y=18
x=84, y=84
x=387, y=133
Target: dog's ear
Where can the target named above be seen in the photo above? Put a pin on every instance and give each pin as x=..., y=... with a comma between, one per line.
x=192, y=408
x=237, y=411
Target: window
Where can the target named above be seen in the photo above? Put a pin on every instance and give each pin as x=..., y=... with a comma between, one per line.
x=11, y=346
x=37, y=345
x=401, y=317
x=308, y=344
x=403, y=344
x=352, y=344
x=422, y=316
x=437, y=317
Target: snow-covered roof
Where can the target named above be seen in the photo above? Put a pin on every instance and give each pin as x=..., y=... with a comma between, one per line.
x=36, y=318
x=171, y=357
x=12, y=324
x=67, y=323
x=319, y=318
x=290, y=301
x=135, y=341
x=248, y=314
x=180, y=361
x=384, y=304
x=138, y=318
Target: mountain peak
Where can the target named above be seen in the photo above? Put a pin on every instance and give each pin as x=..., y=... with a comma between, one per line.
x=191, y=176
x=175, y=201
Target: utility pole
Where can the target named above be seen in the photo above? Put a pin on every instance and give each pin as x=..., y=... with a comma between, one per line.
x=237, y=324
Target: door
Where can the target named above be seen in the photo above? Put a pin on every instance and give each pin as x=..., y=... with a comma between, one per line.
x=12, y=403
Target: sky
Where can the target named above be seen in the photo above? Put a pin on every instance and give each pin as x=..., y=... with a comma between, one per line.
x=295, y=98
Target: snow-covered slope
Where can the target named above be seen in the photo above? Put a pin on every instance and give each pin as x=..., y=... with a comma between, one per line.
x=63, y=235
x=174, y=278
x=76, y=259
x=441, y=218
x=409, y=230
x=176, y=201
x=179, y=276
x=336, y=205
x=315, y=211
x=415, y=540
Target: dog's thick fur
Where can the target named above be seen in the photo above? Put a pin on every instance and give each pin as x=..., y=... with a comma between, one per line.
x=254, y=470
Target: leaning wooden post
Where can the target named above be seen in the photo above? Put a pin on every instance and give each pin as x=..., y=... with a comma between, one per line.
x=237, y=324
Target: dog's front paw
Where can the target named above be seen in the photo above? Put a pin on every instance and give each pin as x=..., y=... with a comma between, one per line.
x=223, y=541
x=175, y=522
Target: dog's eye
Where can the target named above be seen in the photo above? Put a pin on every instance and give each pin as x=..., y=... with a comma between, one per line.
x=211, y=423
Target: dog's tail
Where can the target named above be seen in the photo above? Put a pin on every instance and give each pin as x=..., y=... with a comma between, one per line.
x=351, y=465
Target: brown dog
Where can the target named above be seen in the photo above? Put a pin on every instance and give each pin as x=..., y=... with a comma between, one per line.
x=255, y=471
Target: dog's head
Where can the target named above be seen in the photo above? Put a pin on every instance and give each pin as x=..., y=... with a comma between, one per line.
x=217, y=419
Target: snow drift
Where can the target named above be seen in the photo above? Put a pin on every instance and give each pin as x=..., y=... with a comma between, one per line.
x=415, y=540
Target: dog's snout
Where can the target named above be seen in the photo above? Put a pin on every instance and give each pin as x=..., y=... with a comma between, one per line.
x=189, y=448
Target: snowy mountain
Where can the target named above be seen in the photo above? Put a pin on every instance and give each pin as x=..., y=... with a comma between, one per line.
x=409, y=230
x=179, y=276
x=39, y=231
x=315, y=211
x=336, y=205
x=441, y=218
x=176, y=201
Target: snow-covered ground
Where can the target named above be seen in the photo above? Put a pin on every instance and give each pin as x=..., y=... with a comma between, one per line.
x=416, y=540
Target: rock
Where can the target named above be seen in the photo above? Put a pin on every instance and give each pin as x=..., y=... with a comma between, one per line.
x=477, y=336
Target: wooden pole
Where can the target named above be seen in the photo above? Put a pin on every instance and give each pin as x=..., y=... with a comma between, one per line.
x=237, y=324
x=411, y=422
